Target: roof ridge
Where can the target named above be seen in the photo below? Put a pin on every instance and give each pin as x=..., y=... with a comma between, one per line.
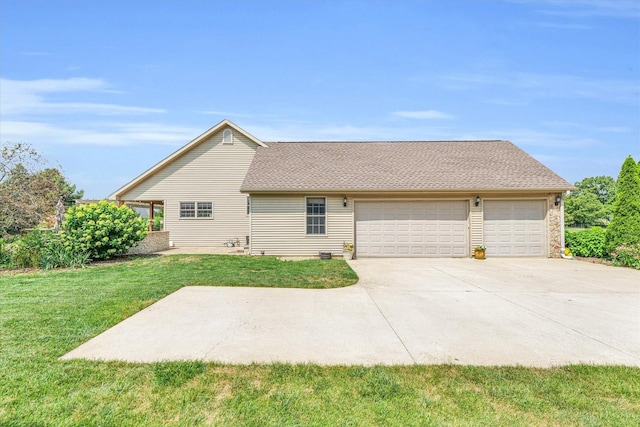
x=394, y=142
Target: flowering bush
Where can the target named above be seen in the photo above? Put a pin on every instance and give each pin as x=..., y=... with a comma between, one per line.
x=628, y=255
x=347, y=246
x=102, y=229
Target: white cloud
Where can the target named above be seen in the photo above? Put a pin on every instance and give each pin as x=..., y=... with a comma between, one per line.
x=563, y=26
x=29, y=97
x=64, y=111
x=524, y=137
x=304, y=131
x=423, y=114
x=107, y=134
x=587, y=8
x=531, y=85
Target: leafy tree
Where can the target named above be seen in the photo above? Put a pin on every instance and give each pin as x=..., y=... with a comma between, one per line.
x=592, y=202
x=64, y=189
x=625, y=226
x=586, y=210
x=603, y=187
x=28, y=191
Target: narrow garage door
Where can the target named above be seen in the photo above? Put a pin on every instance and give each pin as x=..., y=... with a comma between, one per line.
x=515, y=228
x=411, y=229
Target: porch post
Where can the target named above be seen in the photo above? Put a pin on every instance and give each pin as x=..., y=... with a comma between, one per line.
x=151, y=216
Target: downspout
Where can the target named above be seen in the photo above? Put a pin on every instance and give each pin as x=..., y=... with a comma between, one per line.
x=562, y=248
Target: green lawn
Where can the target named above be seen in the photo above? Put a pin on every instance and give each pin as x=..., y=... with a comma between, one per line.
x=45, y=314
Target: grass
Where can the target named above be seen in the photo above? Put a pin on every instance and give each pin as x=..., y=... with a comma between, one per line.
x=43, y=315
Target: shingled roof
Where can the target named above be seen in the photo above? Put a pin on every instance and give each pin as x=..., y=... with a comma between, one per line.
x=397, y=167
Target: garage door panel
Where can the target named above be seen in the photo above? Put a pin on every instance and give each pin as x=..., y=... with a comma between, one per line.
x=420, y=229
x=444, y=239
x=515, y=228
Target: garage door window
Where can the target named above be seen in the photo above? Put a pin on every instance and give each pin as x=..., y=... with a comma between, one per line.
x=316, y=215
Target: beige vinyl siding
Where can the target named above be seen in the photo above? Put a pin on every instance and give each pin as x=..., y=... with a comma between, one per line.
x=278, y=226
x=210, y=172
x=476, y=216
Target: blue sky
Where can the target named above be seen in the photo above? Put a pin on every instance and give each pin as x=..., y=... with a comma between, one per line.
x=106, y=89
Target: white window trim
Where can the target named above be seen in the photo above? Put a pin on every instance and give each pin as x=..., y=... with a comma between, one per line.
x=326, y=216
x=196, y=217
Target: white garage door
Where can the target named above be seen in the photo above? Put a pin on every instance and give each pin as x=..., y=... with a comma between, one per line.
x=411, y=229
x=515, y=228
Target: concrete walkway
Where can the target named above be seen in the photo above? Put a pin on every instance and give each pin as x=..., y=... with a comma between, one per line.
x=535, y=312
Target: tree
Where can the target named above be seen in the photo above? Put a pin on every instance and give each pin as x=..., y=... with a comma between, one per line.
x=625, y=226
x=28, y=191
x=67, y=191
x=592, y=202
x=585, y=210
x=603, y=187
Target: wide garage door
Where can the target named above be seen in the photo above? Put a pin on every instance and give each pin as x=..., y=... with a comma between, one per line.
x=411, y=229
x=515, y=228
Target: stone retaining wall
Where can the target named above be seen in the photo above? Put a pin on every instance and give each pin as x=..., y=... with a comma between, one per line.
x=154, y=242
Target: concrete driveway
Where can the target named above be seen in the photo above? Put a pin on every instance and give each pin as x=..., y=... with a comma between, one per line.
x=533, y=312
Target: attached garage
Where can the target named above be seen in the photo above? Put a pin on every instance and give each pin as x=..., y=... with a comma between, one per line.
x=412, y=228
x=404, y=199
x=515, y=228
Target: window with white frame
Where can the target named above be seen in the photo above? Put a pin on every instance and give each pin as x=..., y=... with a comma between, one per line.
x=227, y=136
x=187, y=209
x=205, y=210
x=196, y=209
x=316, y=215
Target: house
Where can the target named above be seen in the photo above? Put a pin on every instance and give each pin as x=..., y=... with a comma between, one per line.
x=393, y=199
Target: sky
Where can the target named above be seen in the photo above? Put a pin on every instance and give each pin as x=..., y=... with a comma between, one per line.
x=105, y=89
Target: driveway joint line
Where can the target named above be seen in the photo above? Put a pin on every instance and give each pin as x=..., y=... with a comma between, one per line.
x=391, y=326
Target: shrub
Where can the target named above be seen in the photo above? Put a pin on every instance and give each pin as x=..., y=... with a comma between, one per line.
x=587, y=243
x=628, y=255
x=6, y=253
x=102, y=230
x=55, y=254
x=26, y=251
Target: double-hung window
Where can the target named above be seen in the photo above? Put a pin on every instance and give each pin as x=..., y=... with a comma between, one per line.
x=205, y=210
x=187, y=209
x=316, y=215
x=196, y=209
